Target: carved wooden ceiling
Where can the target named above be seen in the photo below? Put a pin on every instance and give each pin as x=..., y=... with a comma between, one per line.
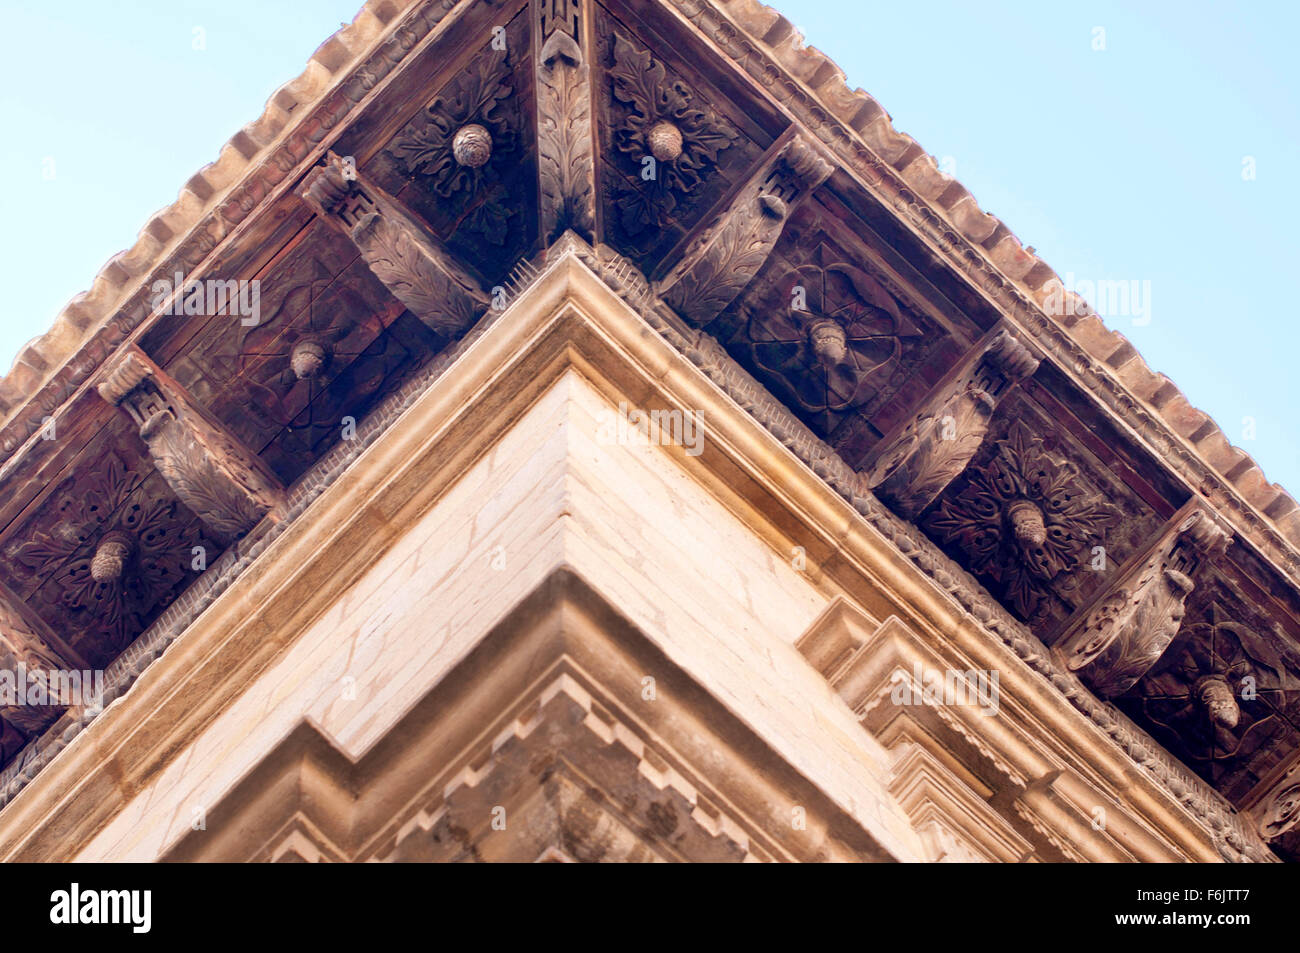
x=621, y=123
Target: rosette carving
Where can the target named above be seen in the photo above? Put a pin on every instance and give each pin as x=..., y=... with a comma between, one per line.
x=1023, y=519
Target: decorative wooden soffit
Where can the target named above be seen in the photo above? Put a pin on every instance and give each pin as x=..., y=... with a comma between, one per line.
x=928, y=451
x=1127, y=627
x=222, y=482
x=405, y=256
x=727, y=254
x=566, y=164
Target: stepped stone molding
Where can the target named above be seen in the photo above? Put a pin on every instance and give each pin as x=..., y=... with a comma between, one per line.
x=1128, y=628
x=411, y=262
x=991, y=790
x=559, y=754
x=232, y=565
x=219, y=479
x=915, y=464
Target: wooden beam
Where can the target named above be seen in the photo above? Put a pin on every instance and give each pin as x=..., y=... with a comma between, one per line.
x=566, y=163
x=725, y=256
x=219, y=479
x=411, y=262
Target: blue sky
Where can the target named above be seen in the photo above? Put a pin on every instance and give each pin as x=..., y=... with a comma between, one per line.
x=1127, y=162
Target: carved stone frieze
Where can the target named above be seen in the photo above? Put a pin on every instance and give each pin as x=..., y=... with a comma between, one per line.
x=1024, y=518
x=1129, y=627
x=913, y=466
x=566, y=165
x=724, y=258
x=407, y=258
x=211, y=472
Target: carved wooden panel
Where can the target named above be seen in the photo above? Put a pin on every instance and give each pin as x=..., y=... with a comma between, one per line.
x=466, y=162
x=833, y=336
x=1225, y=696
x=1038, y=519
x=670, y=147
x=111, y=549
x=330, y=342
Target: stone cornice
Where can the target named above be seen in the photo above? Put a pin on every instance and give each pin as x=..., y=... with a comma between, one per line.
x=225, y=597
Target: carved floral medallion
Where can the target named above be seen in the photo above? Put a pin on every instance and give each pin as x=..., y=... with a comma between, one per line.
x=115, y=558
x=1023, y=519
x=837, y=340
x=463, y=139
x=670, y=136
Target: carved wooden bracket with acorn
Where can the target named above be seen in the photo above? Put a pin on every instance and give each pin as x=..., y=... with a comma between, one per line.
x=219, y=479
x=727, y=254
x=1122, y=633
x=411, y=262
x=925, y=453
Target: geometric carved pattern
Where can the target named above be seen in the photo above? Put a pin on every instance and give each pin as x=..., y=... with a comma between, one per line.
x=1023, y=519
x=605, y=795
x=835, y=338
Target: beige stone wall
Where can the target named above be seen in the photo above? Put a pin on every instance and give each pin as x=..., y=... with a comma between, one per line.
x=774, y=678
x=716, y=599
